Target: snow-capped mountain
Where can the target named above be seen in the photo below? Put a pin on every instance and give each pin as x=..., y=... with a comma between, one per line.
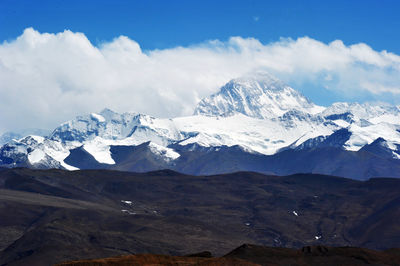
x=134, y=128
x=253, y=123
x=256, y=95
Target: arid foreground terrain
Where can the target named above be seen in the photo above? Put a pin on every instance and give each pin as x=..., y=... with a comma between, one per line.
x=248, y=255
x=55, y=216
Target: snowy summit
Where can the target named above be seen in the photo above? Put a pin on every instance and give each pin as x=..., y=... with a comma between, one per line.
x=258, y=95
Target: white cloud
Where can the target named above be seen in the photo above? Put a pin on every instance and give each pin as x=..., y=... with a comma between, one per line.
x=379, y=88
x=48, y=78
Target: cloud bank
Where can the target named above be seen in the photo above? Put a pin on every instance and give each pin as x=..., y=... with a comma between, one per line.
x=47, y=78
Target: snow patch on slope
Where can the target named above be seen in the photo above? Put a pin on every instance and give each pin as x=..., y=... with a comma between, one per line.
x=98, y=117
x=59, y=152
x=99, y=150
x=167, y=153
x=264, y=136
x=36, y=156
x=362, y=136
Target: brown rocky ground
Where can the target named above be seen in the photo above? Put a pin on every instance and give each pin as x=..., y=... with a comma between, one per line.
x=53, y=216
x=247, y=255
x=151, y=259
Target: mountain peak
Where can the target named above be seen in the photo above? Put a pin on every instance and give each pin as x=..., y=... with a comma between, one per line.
x=258, y=95
x=108, y=114
x=261, y=79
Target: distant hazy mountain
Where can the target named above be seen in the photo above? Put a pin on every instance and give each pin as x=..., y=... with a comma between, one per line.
x=10, y=135
x=254, y=123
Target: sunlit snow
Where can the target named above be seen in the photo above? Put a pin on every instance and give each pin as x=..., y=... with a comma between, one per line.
x=98, y=117
x=168, y=153
x=36, y=156
x=99, y=150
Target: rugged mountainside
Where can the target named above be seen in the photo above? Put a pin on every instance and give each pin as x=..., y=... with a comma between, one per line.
x=51, y=216
x=257, y=95
x=257, y=121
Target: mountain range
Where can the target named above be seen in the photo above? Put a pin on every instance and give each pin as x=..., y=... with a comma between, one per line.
x=253, y=123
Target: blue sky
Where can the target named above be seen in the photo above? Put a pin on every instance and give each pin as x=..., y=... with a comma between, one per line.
x=161, y=24
x=59, y=58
